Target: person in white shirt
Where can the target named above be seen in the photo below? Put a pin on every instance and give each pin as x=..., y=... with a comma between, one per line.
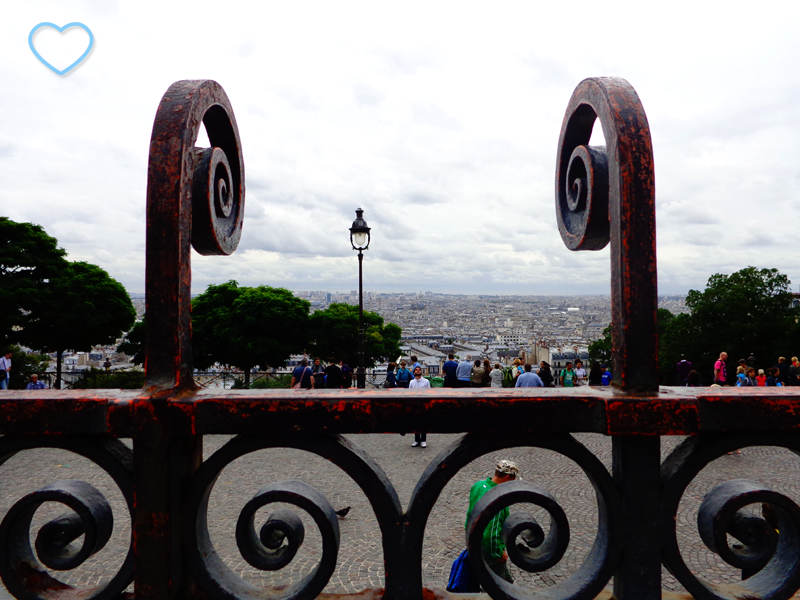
x=580, y=373
x=5, y=370
x=421, y=438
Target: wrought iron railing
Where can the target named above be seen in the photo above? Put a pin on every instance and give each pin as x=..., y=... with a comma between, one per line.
x=196, y=196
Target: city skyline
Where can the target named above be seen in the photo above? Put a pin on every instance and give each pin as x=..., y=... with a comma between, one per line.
x=441, y=122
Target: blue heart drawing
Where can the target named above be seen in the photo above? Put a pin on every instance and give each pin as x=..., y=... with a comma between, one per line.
x=60, y=30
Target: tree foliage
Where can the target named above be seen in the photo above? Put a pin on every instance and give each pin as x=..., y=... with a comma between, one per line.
x=134, y=343
x=747, y=312
x=334, y=332
x=247, y=326
x=600, y=349
x=28, y=259
x=80, y=307
x=23, y=365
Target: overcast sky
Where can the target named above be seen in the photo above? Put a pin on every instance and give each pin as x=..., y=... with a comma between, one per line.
x=440, y=119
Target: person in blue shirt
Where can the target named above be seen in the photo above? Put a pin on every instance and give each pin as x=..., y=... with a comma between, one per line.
x=607, y=376
x=35, y=384
x=449, y=370
x=528, y=379
x=464, y=372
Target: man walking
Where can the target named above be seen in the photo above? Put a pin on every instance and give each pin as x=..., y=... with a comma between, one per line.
x=721, y=370
x=529, y=379
x=493, y=548
x=449, y=370
x=420, y=438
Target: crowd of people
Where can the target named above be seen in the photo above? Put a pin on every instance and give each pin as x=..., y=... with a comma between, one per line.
x=780, y=375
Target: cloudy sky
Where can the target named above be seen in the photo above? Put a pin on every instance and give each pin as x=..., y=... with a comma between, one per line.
x=440, y=119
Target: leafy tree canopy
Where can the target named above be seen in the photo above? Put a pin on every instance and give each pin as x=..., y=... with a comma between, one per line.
x=747, y=312
x=28, y=259
x=247, y=326
x=81, y=306
x=134, y=343
x=334, y=333
x=600, y=349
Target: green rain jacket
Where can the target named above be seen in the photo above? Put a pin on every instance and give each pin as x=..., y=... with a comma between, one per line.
x=493, y=544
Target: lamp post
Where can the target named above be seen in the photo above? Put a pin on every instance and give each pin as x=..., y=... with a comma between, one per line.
x=359, y=239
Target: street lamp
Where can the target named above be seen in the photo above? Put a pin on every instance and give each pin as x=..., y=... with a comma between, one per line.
x=359, y=239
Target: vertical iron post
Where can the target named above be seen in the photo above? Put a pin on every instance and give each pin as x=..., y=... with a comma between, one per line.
x=361, y=375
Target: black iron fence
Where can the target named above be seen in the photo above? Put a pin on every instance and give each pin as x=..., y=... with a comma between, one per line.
x=196, y=197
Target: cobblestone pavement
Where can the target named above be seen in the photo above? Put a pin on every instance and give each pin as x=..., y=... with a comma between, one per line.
x=360, y=560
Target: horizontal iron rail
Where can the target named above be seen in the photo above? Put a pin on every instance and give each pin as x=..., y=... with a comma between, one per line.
x=672, y=411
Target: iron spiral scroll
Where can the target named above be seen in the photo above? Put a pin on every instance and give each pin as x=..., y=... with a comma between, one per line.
x=607, y=193
x=769, y=550
x=195, y=198
x=23, y=568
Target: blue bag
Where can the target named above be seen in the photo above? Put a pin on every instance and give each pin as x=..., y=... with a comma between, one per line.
x=462, y=580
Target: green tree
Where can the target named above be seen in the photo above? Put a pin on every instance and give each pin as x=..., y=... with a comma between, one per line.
x=80, y=307
x=247, y=326
x=28, y=259
x=334, y=332
x=133, y=344
x=749, y=311
x=600, y=349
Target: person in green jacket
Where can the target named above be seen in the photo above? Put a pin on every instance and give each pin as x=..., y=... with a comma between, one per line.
x=493, y=547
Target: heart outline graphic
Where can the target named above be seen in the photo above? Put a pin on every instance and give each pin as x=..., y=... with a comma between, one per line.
x=61, y=30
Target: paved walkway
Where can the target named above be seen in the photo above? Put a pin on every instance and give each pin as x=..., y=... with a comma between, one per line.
x=360, y=562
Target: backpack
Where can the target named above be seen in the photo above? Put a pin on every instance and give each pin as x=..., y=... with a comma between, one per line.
x=508, y=377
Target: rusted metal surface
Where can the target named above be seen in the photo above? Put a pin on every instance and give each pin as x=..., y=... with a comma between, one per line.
x=196, y=196
x=609, y=192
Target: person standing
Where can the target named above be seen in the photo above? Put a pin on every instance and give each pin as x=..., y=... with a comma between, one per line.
x=607, y=377
x=5, y=370
x=347, y=374
x=595, y=374
x=568, y=376
x=476, y=375
x=783, y=370
x=492, y=546
x=449, y=369
x=528, y=379
x=496, y=376
x=683, y=367
x=546, y=374
x=302, y=377
x=391, y=380
x=721, y=370
x=420, y=438
x=487, y=370
x=794, y=372
x=333, y=375
x=415, y=363
x=761, y=378
x=403, y=375
x=319, y=374
x=464, y=372
x=580, y=373
x=35, y=384
x=774, y=378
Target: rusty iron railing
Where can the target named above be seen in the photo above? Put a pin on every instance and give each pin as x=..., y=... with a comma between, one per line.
x=196, y=196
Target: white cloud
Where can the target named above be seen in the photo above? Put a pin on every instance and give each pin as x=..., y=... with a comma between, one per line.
x=440, y=120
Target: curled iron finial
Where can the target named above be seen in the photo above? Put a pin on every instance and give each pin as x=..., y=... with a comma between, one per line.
x=195, y=196
x=608, y=193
